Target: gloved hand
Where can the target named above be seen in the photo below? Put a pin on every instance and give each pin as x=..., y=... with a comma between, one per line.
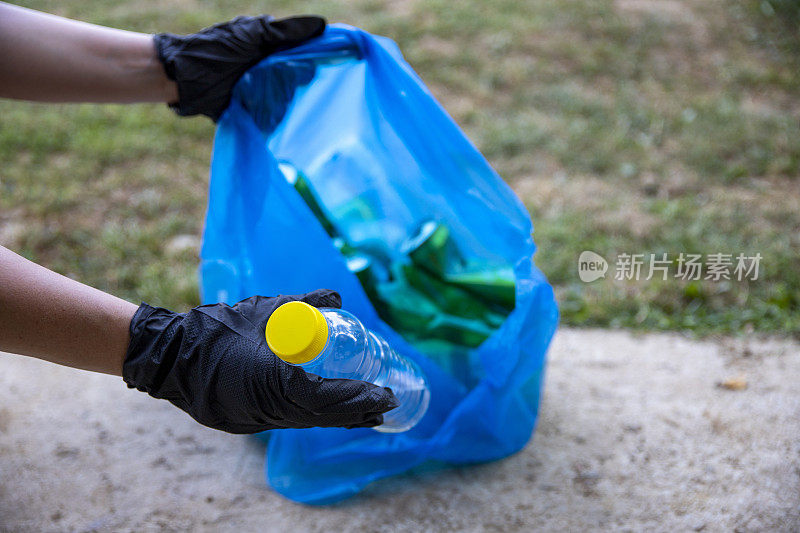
x=213, y=362
x=207, y=64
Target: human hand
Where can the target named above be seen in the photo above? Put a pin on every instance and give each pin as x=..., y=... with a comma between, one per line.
x=213, y=362
x=207, y=64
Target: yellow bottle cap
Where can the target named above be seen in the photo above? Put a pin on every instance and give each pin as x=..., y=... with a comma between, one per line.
x=297, y=332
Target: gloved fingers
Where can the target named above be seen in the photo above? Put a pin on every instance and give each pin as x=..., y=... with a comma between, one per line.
x=321, y=298
x=263, y=304
x=367, y=423
x=330, y=402
x=257, y=309
x=289, y=32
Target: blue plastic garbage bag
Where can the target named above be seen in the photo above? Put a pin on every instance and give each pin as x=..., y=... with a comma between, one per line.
x=352, y=115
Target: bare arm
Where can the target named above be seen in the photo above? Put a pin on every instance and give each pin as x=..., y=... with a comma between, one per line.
x=51, y=317
x=53, y=59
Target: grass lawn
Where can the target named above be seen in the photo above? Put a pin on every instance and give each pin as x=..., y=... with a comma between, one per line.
x=626, y=126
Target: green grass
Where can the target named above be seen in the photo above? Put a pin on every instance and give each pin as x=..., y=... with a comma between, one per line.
x=637, y=127
x=684, y=226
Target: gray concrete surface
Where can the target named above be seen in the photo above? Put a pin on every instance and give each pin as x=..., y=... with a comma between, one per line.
x=635, y=434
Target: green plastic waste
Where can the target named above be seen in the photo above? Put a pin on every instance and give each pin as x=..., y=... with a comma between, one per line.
x=302, y=186
x=429, y=292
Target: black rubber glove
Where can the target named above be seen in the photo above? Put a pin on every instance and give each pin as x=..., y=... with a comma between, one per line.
x=213, y=362
x=207, y=64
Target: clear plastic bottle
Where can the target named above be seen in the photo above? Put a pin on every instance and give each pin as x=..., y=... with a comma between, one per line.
x=333, y=343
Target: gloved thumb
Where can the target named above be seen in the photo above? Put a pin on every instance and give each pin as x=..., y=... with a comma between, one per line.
x=289, y=32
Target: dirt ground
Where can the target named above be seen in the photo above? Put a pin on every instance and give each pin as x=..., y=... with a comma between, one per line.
x=636, y=433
